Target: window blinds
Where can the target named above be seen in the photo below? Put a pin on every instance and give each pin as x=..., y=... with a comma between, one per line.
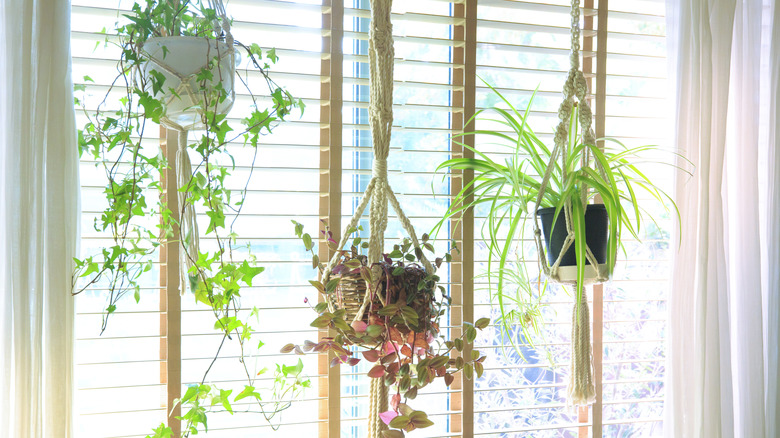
x=317, y=166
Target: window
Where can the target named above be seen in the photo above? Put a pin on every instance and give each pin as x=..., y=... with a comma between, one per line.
x=316, y=167
x=423, y=113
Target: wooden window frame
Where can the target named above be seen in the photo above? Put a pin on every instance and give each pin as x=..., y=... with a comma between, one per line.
x=462, y=271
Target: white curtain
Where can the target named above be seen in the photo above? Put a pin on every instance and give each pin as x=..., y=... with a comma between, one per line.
x=38, y=219
x=723, y=333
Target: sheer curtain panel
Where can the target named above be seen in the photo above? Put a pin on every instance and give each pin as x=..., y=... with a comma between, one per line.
x=722, y=355
x=38, y=219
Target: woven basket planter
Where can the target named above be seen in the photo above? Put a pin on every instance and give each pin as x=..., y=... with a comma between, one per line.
x=350, y=294
x=352, y=289
x=405, y=288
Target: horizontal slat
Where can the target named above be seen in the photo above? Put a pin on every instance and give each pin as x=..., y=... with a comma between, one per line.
x=525, y=27
x=410, y=17
x=535, y=7
x=531, y=428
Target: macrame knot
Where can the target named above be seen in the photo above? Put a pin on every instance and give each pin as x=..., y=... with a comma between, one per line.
x=560, y=133
x=574, y=59
x=564, y=110
x=381, y=113
x=379, y=169
x=585, y=117
x=382, y=37
x=581, y=85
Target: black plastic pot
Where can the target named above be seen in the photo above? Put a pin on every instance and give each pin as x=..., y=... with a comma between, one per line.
x=596, y=230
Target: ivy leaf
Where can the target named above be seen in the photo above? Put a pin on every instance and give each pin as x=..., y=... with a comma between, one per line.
x=293, y=370
x=248, y=272
x=223, y=398
x=249, y=391
x=162, y=431
x=192, y=391
x=271, y=54
x=217, y=220
x=92, y=267
x=256, y=50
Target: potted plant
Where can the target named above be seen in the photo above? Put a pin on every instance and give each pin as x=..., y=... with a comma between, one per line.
x=397, y=330
x=177, y=68
x=510, y=189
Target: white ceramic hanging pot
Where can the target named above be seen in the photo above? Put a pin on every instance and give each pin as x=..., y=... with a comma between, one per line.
x=180, y=59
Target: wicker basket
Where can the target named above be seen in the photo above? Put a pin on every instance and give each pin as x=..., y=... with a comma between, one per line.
x=350, y=294
x=352, y=290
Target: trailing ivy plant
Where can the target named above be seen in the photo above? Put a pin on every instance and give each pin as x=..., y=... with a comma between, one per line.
x=402, y=337
x=138, y=221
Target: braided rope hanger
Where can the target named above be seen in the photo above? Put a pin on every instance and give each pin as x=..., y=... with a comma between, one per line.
x=380, y=114
x=575, y=86
x=581, y=389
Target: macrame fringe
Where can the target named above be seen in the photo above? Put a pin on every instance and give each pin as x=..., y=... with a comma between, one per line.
x=581, y=390
x=188, y=250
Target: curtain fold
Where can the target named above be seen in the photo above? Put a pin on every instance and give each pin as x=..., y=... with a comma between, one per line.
x=38, y=219
x=723, y=305
x=771, y=239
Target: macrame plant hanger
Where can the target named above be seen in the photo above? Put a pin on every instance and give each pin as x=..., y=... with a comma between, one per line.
x=378, y=191
x=581, y=390
x=185, y=90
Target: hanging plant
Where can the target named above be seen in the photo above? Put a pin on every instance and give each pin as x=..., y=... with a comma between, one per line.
x=509, y=190
x=177, y=68
x=396, y=328
x=537, y=181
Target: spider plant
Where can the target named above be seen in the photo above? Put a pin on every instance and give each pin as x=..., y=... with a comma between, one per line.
x=506, y=190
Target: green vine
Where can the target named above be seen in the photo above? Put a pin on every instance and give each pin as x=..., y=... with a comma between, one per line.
x=114, y=136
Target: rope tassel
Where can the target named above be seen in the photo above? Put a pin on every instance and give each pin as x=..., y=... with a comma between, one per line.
x=188, y=217
x=581, y=389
